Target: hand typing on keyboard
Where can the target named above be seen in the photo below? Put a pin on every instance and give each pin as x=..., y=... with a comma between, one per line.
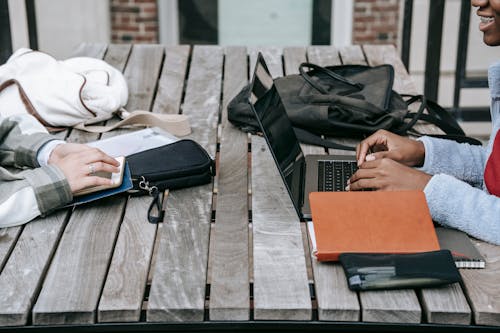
x=385, y=162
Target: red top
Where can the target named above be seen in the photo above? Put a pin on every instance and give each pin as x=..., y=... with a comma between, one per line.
x=492, y=170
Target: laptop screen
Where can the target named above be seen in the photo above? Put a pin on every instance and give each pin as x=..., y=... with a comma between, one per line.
x=278, y=131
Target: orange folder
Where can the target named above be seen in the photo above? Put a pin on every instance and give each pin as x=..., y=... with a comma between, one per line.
x=371, y=222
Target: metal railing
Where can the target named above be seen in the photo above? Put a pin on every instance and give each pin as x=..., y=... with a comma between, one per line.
x=433, y=57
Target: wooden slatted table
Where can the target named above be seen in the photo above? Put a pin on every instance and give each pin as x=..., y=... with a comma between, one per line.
x=230, y=255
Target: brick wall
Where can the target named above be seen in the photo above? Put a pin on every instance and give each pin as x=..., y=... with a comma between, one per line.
x=134, y=21
x=375, y=21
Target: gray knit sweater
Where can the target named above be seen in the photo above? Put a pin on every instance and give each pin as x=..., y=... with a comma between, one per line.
x=456, y=194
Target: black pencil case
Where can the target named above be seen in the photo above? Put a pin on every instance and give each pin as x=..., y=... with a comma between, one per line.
x=370, y=271
x=181, y=164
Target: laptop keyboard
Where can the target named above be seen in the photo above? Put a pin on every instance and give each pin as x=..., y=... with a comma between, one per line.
x=333, y=175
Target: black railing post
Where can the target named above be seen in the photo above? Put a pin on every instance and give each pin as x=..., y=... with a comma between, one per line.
x=32, y=30
x=433, y=57
x=406, y=34
x=321, y=22
x=5, y=38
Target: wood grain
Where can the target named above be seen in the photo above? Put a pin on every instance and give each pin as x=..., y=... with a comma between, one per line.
x=71, y=290
x=443, y=305
x=8, y=238
x=23, y=274
x=280, y=278
x=171, y=82
x=335, y=300
x=281, y=290
x=123, y=291
x=179, y=279
x=81, y=308
x=34, y=250
x=389, y=306
x=230, y=287
x=483, y=286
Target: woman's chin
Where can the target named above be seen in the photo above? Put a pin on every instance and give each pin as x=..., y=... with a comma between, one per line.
x=491, y=39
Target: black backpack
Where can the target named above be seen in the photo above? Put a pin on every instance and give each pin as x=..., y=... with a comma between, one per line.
x=346, y=101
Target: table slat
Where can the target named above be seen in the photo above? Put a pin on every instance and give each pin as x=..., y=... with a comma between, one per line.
x=281, y=290
x=71, y=290
x=335, y=300
x=171, y=82
x=8, y=238
x=179, y=279
x=82, y=249
x=21, y=278
x=230, y=287
x=390, y=306
x=123, y=291
x=483, y=286
x=444, y=305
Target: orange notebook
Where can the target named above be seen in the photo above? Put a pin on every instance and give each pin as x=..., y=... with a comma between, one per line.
x=371, y=222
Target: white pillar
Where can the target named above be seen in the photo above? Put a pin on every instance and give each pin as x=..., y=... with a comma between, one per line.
x=341, y=26
x=168, y=21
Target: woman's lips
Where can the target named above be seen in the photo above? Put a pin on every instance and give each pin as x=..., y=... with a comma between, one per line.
x=486, y=22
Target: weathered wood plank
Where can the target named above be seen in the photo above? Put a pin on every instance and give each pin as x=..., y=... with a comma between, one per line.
x=8, y=238
x=483, y=286
x=171, y=82
x=34, y=250
x=323, y=55
x=71, y=290
x=352, y=55
x=80, y=231
x=389, y=306
x=448, y=304
x=335, y=300
x=179, y=279
x=293, y=57
x=21, y=278
x=281, y=288
x=123, y=293
x=230, y=286
x=117, y=55
x=272, y=56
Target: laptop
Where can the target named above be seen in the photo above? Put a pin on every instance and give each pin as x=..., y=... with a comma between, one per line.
x=301, y=174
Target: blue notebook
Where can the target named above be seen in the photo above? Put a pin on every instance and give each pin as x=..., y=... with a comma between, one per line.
x=125, y=186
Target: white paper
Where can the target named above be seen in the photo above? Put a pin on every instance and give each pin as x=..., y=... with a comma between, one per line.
x=134, y=142
x=312, y=236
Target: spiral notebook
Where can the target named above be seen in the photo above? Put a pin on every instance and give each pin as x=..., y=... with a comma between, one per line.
x=463, y=250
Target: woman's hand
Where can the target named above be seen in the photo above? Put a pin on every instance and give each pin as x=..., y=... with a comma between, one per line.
x=79, y=163
x=387, y=174
x=384, y=144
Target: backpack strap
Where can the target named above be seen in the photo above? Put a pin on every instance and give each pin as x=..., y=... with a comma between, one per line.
x=313, y=139
x=441, y=118
x=177, y=124
x=328, y=72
